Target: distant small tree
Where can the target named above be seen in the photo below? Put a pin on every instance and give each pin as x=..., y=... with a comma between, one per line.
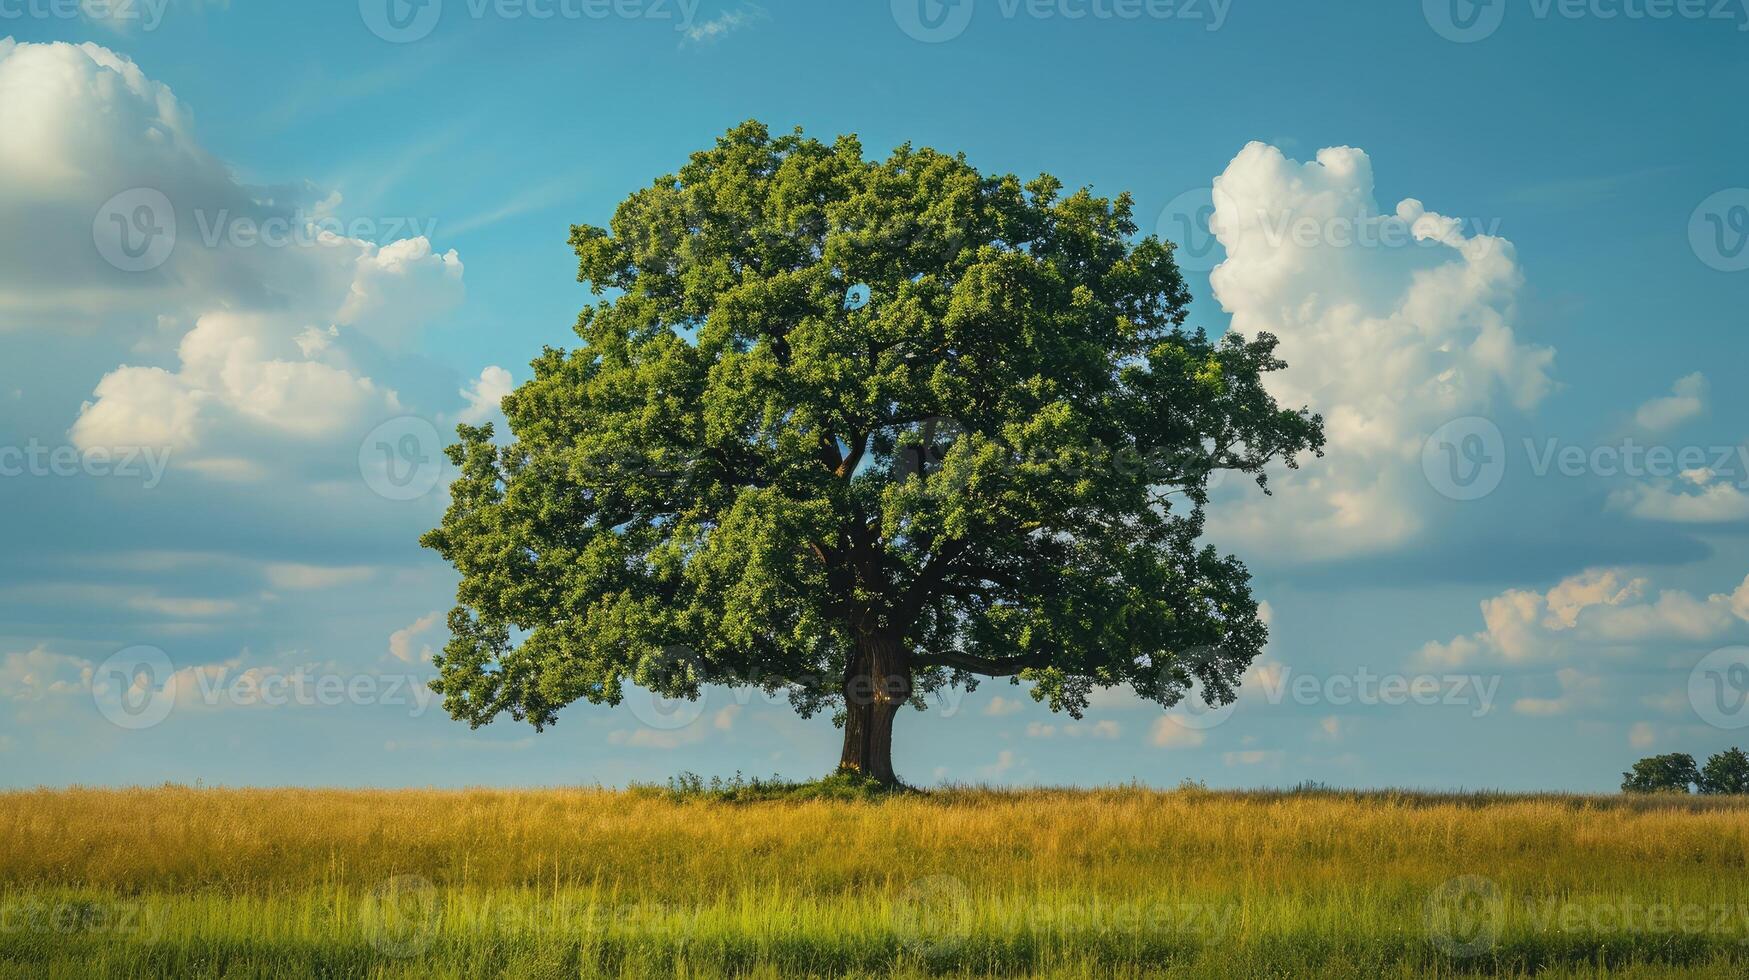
x=1671, y=773
x=1726, y=773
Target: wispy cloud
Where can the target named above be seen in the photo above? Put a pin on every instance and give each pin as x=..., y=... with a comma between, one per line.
x=534, y=199
x=724, y=24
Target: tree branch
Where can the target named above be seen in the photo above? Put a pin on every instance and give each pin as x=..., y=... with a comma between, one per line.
x=987, y=666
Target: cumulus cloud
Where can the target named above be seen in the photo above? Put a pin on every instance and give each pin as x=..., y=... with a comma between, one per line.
x=240, y=376
x=1602, y=610
x=1699, y=496
x=1687, y=399
x=37, y=673
x=484, y=394
x=102, y=165
x=1005, y=762
x=1392, y=324
x=135, y=228
x=401, y=641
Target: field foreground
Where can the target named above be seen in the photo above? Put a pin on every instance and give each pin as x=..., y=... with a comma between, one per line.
x=568, y=883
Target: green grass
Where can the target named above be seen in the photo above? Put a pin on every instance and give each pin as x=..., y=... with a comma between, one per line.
x=763, y=878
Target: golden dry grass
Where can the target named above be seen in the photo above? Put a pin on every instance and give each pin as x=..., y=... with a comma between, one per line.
x=582, y=882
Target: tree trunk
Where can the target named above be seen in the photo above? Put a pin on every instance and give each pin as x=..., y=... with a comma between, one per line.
x=877, y=683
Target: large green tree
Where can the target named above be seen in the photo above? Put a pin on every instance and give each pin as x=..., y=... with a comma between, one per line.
x=856, y=430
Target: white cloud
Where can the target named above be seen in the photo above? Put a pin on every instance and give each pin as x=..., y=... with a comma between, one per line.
x=401, y=641
x=1699, y=497
x=291, y=575
x=1005, y=761
x=1392, y=324
x=484, y=393
x=1686, y=400
x=724, y=24
x=1642, y=735
x=1103, y=729
x=38, y=673
x=1602, y=610
x=1000, y=706
x=650, y=738
x=1253, y=757
x=1578, y=691
x=1169, y=733
x=185, y=607
x=80, y=125
x=396, y=288
x=96, y=159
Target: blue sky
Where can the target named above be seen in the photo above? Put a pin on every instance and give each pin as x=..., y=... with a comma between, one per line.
x=1585, y=303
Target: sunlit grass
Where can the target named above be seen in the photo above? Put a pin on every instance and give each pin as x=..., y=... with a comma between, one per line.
x=1126, y=882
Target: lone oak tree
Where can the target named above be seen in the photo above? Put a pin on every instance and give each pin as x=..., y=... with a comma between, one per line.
x=856, y=431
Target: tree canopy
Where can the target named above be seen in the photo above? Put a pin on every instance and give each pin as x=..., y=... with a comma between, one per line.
x=854, y=430
x=1674, y=772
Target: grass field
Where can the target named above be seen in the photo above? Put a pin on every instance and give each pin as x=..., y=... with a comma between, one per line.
x=1128, y=883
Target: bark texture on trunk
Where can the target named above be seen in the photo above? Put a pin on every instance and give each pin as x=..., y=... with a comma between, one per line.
x=877, y=683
